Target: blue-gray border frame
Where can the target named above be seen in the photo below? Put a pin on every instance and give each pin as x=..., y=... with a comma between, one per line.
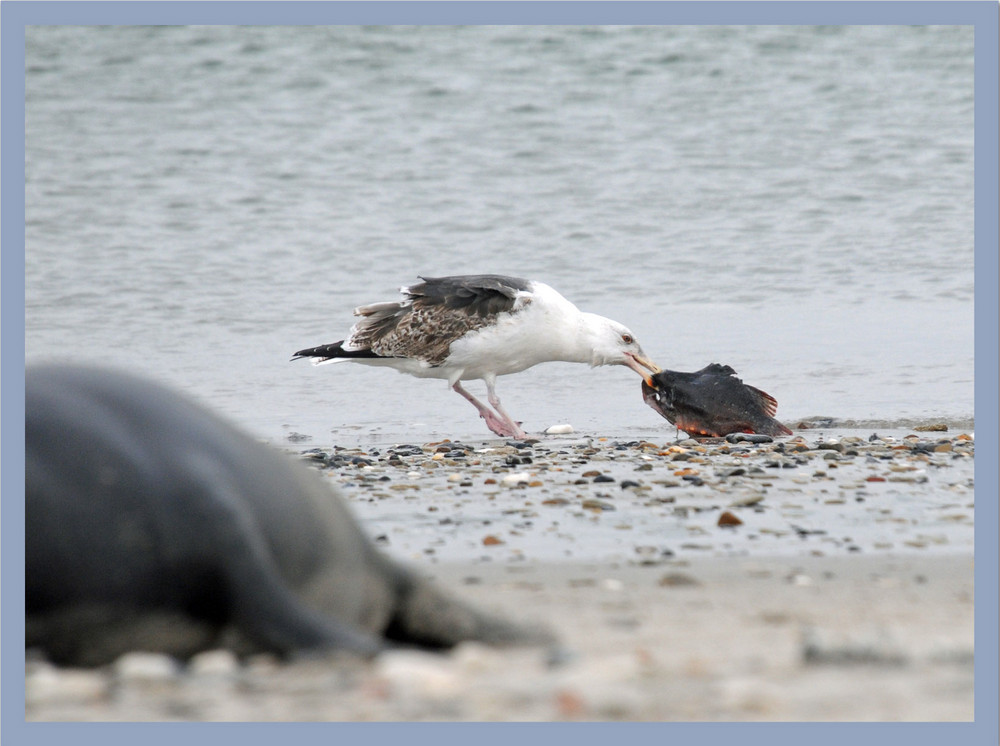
x=16, y=16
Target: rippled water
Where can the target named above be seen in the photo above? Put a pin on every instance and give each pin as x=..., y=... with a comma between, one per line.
x=796, y=202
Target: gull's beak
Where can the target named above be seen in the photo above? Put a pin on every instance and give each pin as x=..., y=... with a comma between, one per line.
x=640, y=365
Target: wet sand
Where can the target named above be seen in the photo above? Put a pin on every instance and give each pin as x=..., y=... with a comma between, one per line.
x=846, y=638
x=840, y=588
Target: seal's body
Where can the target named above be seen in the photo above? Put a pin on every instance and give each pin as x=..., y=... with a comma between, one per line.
x=152, y=524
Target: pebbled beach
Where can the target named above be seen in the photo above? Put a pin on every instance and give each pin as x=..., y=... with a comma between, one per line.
x=610, y=499
x=824, y=576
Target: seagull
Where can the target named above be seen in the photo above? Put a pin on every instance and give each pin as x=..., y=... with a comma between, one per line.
x=468, y=327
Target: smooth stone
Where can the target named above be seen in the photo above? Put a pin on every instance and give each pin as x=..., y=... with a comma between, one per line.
x=564, y=429
x=140, y=667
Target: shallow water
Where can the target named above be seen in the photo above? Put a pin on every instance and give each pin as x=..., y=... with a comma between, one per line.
x=795, y=202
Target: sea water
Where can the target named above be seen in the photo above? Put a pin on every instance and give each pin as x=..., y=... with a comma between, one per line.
x=795, y=202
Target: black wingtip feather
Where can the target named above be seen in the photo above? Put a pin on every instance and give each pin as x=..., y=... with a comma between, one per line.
x=331, y=351
x=323, y=351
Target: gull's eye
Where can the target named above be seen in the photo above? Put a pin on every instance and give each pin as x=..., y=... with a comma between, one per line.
x=628, y=339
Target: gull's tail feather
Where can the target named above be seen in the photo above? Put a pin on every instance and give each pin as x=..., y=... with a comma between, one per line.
x=331, y=353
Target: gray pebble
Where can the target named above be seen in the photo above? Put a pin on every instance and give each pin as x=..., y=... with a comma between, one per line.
x=214, y=663
x=45, y=684
x=748, y=438
x=142, y=667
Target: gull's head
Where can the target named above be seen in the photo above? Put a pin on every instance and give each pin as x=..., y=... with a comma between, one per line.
x=612, y=343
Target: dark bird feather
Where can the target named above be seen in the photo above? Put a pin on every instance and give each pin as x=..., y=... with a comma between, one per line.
x=712, y=402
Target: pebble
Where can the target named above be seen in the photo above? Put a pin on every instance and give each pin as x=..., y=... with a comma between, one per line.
x=565, y=429
x=214, y=664
x=411, y=673
x=44, y=684
x=748, y=438
x=818, y=650
x=141, y=668
x=518, y=478
x=748, y=500
x=677, y=580
x=728, y=519
x=917, y=477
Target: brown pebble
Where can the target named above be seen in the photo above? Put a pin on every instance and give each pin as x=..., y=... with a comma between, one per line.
x=569, y=704
x=491, y=540
x=676, y=580
x=728, y=519
x=592, y=473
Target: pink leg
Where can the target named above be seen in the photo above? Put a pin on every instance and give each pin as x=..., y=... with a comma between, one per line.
x=502, y=426
x=494, y=400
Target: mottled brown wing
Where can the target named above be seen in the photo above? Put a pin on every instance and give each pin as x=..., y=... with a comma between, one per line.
x=378, y=321
x=426, y=333
x=436, y=312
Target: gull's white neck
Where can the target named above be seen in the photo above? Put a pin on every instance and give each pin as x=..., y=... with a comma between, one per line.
x=580, y=339
x=592, y=335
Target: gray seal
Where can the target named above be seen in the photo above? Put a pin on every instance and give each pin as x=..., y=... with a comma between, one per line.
x=153, y=524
